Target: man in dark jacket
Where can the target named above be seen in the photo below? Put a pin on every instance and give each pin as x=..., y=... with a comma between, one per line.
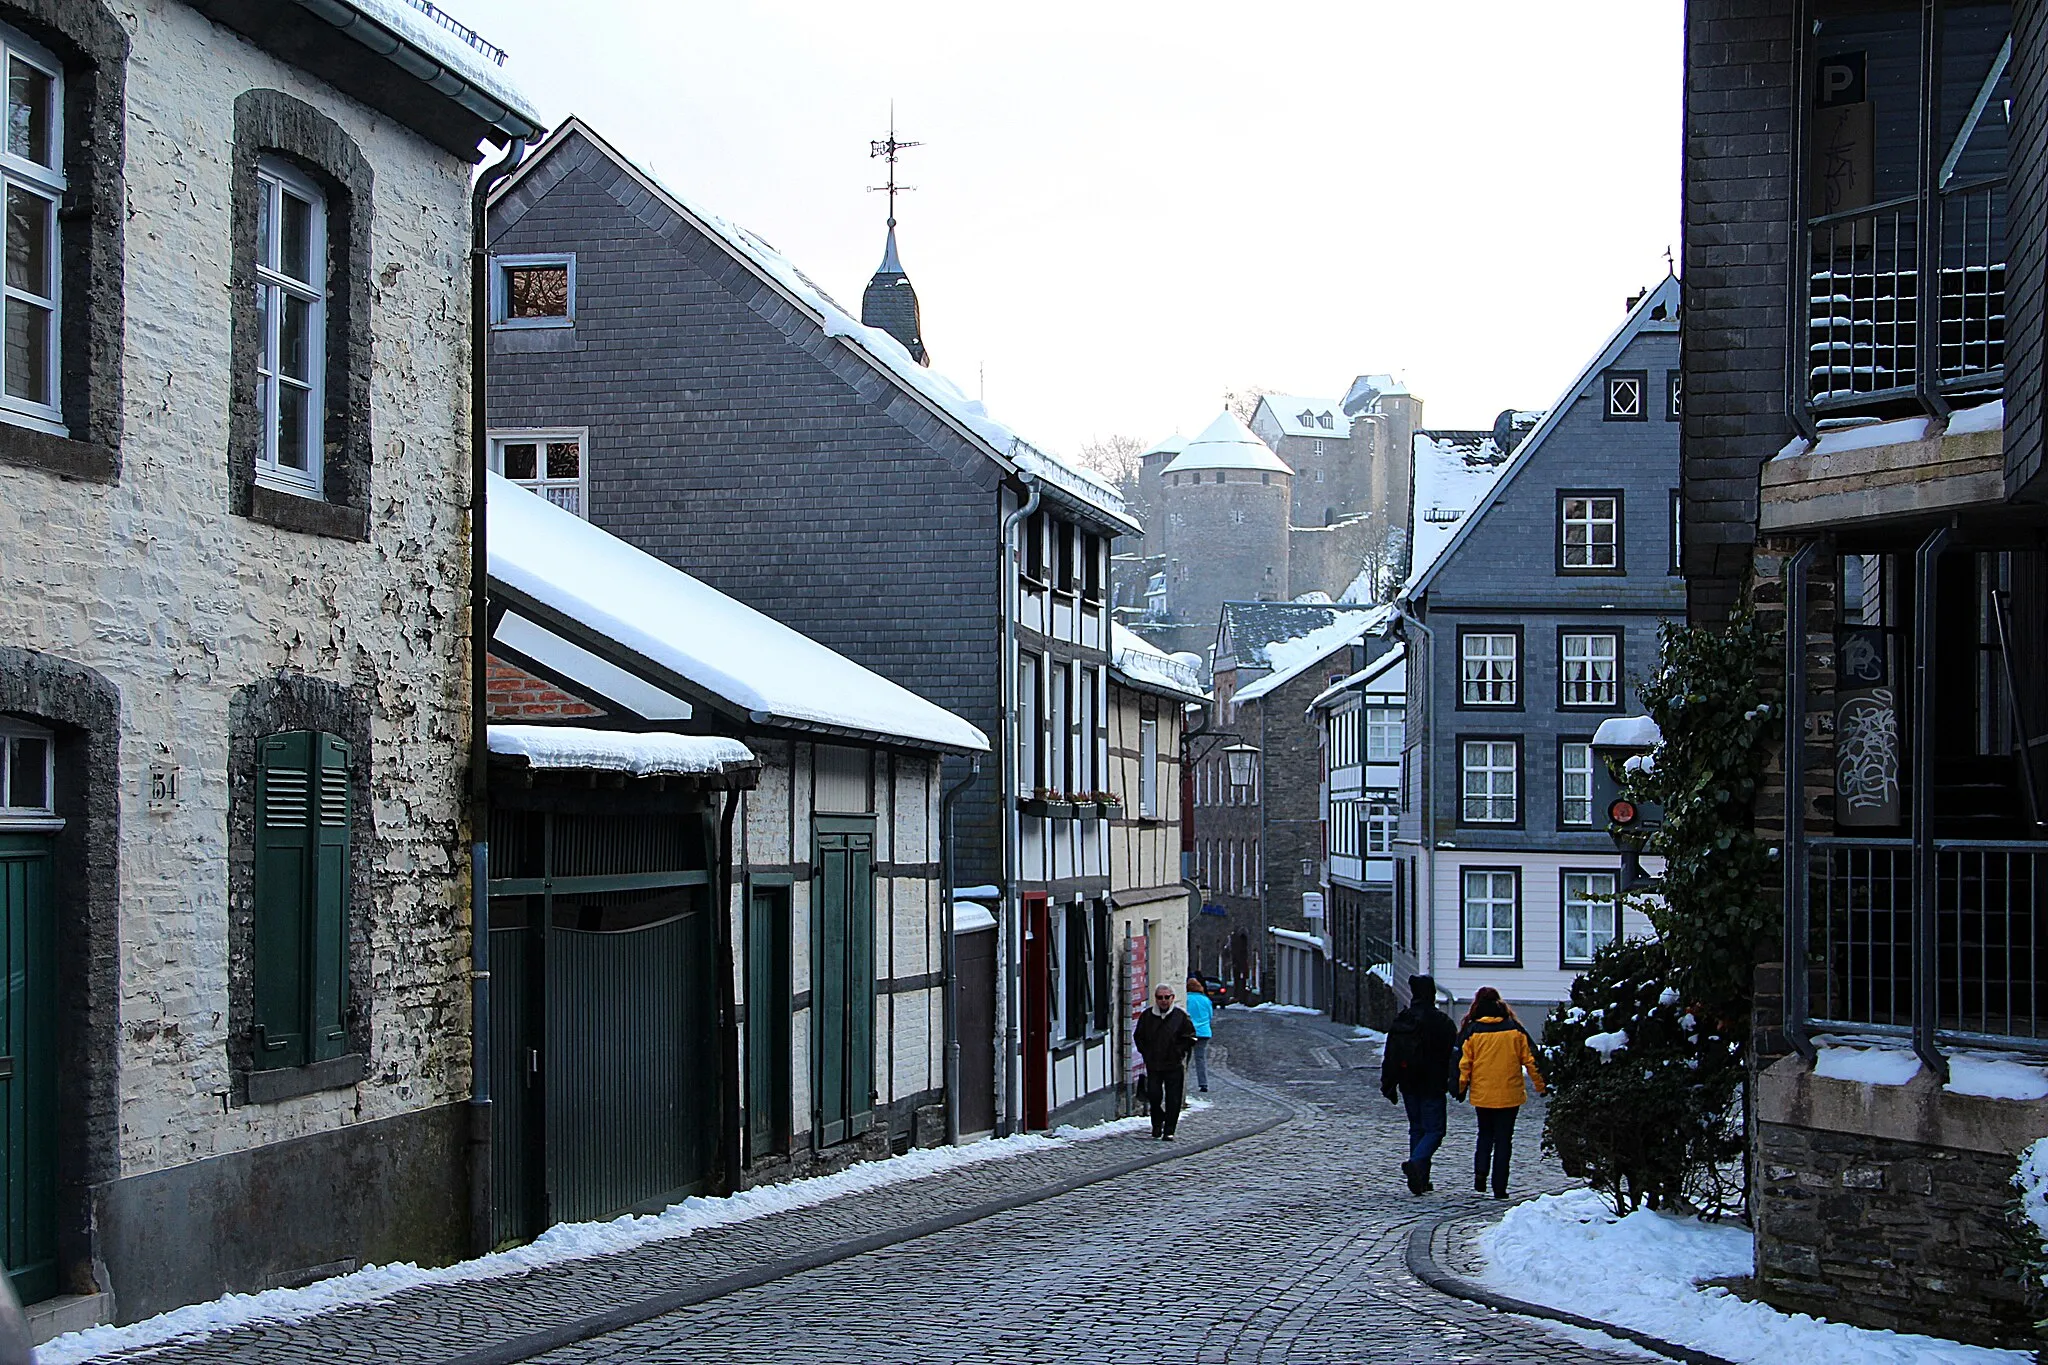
x=1165, y=1037
x=1420, y=1066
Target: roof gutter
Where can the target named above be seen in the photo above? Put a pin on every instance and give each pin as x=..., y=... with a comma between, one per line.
x=424, y=68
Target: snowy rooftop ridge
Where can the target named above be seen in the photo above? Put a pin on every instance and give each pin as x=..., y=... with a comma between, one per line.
x=460, y=29
x=453, y=45
x=1376, y=669
x=1292, y=658
x=1454, y=470
x=654, y=754
x=1227, y=443
x=1142, y=662
x=884, y=351
x=722, y=648
x=1295, y=415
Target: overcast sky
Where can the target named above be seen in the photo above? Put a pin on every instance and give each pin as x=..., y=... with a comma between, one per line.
x=1124, y=208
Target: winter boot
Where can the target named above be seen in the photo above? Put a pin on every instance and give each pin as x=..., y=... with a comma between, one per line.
x=1414, y=1174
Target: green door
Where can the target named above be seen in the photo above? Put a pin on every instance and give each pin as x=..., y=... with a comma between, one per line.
x=28, y=1072
x=767, y=1020
x=843, y=979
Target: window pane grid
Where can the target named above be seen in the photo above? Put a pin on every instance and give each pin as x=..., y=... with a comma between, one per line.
x=1589, y=669
x=291, y=255
x=1384, y=727
x=1490, y=916
x=1489, y=787
x=1488, y=670
x=1575, y=767
x=33, y=181
x=1591, y=531
x=1590, y=914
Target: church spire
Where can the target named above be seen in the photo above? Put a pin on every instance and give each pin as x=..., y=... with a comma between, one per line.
x=890, y=304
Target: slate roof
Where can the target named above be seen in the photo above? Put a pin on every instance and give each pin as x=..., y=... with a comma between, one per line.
x=1655, y=311
x=1292, y=658
x=1227, y=443
x=1369, y=388
x=1254, y=627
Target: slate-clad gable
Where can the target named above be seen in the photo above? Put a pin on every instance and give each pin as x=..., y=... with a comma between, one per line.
x=730, y=437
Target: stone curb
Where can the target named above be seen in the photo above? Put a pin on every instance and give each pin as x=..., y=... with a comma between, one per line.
x=1422, y=1265
x=577, y=1330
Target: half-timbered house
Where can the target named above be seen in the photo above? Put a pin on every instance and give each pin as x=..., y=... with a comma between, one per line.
x=687, y=388
x=716, y=916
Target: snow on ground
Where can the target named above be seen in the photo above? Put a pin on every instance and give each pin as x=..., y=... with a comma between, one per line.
x=562, y=1243
x=1569, y=1251
x=1271, y=1008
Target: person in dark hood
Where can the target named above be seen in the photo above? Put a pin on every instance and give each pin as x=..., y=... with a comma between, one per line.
x=1418, y=1069
x=1165, y=1037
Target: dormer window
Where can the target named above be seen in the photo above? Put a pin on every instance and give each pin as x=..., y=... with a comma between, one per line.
x=1323, y=421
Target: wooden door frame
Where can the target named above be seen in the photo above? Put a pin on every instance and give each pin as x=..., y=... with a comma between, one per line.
x=759, y=1012
x=1036, y=1007
x=860, y=1114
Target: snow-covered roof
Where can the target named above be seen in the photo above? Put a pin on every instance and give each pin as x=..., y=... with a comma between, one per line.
x=1227, y=443
x=966, y=415
x=1656, y=311
x=653, y=754
x=1292, y=658
x=1172, y=445
x=1372, y=672
x=1297, y=416
x=970, y=917
x=1143, y=664
x=449, y=55
x=1247, y=630
x=586, y=582
x=1368, y=389
x=1453, y=471
x=1628, y=731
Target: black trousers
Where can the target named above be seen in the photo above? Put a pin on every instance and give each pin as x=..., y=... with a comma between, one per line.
x=1164, y=1091
x=1496, y=1140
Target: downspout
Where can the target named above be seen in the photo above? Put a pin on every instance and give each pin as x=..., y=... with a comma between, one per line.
x=1426, y=913
x=1013, y=825
x=948, y=951
x=728, y=1013
x=481, y=1201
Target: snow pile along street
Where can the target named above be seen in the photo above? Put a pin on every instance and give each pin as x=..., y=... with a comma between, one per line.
x=1569, y=1251
x=559, y=1244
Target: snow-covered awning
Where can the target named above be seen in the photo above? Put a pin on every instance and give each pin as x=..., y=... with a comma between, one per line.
x=656, y=754
x=688, y=642
x=1142, y=664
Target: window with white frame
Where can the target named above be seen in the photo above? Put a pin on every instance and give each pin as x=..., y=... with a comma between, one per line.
x=1384, y=728
x=1487, y=668
x=1380, y=820
x=1625, y=395
x=1488, y=906
x=1060, y=708
x=1029, y=774
x=28, y=773
x=1588, y=669
x=549, y=463
x=291, y=322
x=1344, y=828
x=533, y=291
x=32, y=166
x=1575, y=779
x=1148, y=768
x=1589, y=532
x=1490, y=772
x=1591, y=915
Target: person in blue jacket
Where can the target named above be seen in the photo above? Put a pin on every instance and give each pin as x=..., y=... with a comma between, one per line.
x=1204, y=1014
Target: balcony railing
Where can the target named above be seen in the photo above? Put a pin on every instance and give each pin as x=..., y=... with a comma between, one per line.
x=1989, y=939
x=1867, y=323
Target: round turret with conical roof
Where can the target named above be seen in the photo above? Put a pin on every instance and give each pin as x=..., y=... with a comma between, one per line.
x=1224, y=507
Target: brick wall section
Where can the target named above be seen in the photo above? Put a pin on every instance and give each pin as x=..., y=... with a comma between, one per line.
x=517, y=696
x=1886, y=1234
x=1738, y=211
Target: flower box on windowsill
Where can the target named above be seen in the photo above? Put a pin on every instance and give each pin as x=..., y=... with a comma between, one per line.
x=1046, y=808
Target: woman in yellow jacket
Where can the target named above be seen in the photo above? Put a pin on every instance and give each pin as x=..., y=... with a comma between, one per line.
x=1493, y=1052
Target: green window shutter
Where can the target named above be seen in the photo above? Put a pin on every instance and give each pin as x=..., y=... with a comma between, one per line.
x=284, y=879
x=860, y=981
x=329, y=957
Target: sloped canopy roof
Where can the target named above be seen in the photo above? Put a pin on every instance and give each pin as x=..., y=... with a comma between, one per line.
x=630, y=611
x=1227, y=443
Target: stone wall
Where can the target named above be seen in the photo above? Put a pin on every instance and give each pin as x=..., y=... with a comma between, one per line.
x=1885, y=1205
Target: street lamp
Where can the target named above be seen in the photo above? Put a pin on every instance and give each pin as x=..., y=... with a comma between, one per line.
x=1240, y=758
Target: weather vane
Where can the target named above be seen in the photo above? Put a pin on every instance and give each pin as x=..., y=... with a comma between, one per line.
x=890, y=150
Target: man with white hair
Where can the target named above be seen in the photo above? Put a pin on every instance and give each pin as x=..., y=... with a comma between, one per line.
x=1165, y=1037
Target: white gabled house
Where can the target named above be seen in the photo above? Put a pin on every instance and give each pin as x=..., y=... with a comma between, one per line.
x=718, y=928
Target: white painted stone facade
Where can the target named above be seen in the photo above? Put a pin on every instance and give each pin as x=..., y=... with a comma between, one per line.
x=155, y=584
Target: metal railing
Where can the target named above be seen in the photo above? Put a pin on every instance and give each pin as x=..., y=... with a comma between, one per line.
x=1989, y=939
x=1870, y=336
x=459, y=29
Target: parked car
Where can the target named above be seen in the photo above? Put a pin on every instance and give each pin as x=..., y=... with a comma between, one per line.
x=1218, y=989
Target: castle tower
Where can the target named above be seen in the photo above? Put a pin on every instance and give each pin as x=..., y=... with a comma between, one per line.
x=1224, y=502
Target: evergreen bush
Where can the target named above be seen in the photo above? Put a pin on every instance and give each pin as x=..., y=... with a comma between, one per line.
x=1643, y=1087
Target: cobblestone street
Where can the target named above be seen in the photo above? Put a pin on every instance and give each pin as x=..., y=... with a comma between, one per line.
x=1286, y=1245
